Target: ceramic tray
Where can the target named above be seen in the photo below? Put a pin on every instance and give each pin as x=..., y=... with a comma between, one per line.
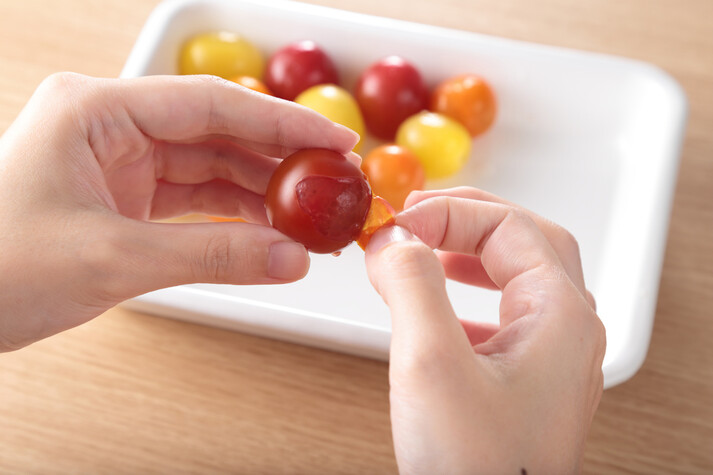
x=590, y=141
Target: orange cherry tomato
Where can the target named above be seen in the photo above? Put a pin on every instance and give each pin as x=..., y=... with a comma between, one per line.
x=393, y=172
x=252, y=83
x=468, y=99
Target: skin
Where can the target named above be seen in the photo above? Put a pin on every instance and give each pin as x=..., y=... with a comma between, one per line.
x=477, y=398
x=91, y=163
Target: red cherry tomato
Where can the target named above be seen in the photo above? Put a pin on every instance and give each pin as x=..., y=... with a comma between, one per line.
x=318, y=198
x=393, y=172
x=467, y=99
x=297, y=67
x=388, y=92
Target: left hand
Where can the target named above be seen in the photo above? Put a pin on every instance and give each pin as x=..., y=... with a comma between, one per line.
x=89, y=161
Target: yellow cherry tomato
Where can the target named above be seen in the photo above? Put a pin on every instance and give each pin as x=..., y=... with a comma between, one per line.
x=336, y=104
x=441, y=143
x=221, y=53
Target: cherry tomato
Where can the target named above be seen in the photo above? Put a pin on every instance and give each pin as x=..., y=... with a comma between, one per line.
x=441, y=143
x=297, y=67
x=467, y=99
x=318, y=198
x=222, y=54
x=393, y=173
x=336, y=104
x=252, y=83
x=388, y=92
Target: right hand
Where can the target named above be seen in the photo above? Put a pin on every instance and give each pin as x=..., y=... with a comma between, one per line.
x=475, y=398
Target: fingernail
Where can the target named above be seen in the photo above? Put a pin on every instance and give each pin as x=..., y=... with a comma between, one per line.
x=354, y=157
x=287, y=261
x=387, y=236
x=355, y=137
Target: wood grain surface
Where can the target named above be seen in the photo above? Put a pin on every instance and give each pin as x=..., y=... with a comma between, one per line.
x=129, y=393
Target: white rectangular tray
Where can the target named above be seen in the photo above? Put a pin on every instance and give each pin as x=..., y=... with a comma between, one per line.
x=590, y=141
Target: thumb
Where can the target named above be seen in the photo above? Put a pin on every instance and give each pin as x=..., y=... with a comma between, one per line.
x=152, y=256
x=411, y=280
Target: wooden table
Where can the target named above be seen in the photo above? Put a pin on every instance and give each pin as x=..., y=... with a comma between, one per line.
x=129, y=393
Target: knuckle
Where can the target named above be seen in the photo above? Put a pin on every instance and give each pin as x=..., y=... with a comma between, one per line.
x=210, y=79
x=217, y=258
x=520, y=216
x=62, y=83
x=53, y=94
x=215, y=119
x=566, y=241
x=420, y=364
x=410, y=258
x=600, y=337
x=408, y=266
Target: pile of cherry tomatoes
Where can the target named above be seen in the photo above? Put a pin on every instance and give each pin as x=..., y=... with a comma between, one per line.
x=425, y=134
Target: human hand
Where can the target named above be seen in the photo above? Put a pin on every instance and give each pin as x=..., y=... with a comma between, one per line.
x=89, y=161
x=478, y=398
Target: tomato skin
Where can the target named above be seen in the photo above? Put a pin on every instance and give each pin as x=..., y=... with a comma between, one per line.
x=440, y=143
x=467, y=98
x=394, y=172
x=381, y=214
x=297, y=67
x=388, y=92
x=331, y=213
x=221, y=53
x=337, y=105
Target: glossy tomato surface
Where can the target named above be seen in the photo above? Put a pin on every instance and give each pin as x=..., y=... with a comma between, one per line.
x=318, y=198
x=467, y=99
x=440, y=143
x=297, y=67
x=393, y=173
x=388, y=92
x=336, y=104
x=223, y=54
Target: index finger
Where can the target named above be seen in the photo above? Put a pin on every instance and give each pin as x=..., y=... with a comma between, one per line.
x=507, y=240
x=561, y=240
x=178, y=108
